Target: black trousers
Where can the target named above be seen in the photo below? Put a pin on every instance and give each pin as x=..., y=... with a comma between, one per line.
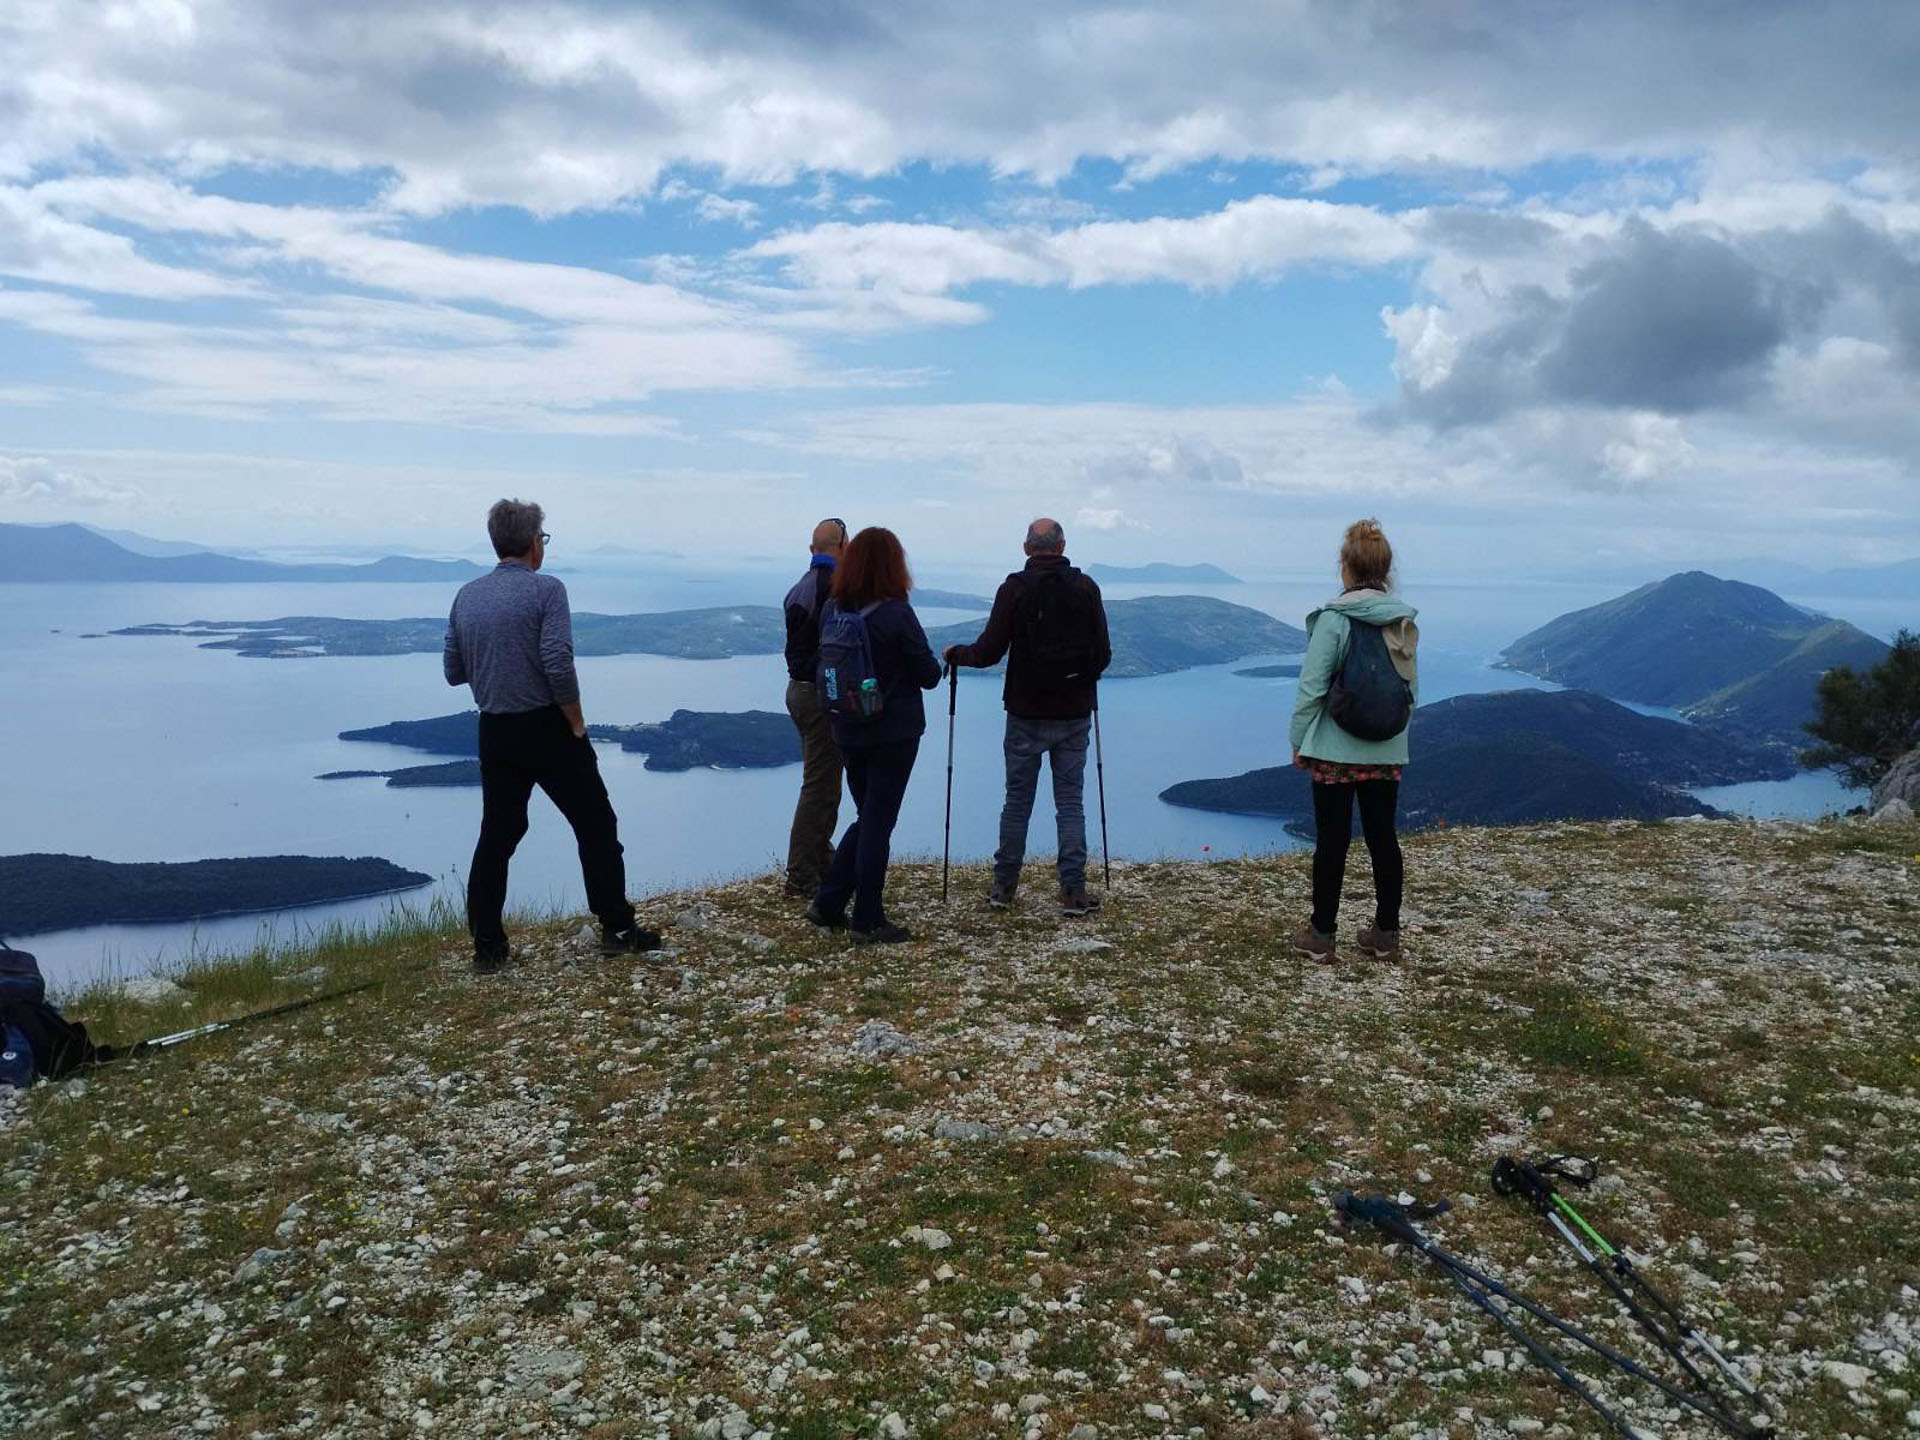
x=518, y=752
x=877, y=779
x=1333, y=833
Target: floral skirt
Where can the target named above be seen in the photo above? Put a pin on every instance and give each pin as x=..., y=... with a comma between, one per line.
x=1334, y=772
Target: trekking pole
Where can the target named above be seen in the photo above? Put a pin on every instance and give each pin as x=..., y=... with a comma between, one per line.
x=1100, y=780
x=946, y=846
x=1398, y=1222
x=1534, y=1182
x=165, y=1042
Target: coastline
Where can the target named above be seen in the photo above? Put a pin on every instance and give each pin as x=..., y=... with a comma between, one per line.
x=234, y=914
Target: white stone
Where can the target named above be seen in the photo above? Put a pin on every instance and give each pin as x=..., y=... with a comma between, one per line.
x=1852, y=1377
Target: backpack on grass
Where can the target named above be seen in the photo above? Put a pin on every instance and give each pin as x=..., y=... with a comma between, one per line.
x=1368, y=697
x=36, y=1040
x=849, y=687
x=1054, y=639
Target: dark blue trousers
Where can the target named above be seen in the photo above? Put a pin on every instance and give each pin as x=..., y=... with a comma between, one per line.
x=877, y=780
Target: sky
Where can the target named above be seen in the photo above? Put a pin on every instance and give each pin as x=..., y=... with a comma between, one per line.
x=1543, y=287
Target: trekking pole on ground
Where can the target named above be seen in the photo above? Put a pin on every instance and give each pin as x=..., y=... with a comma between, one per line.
x=1533, y=1181
x=1397, y=1221
x=1100, y=781
x=946, y=846
x=165, y=1042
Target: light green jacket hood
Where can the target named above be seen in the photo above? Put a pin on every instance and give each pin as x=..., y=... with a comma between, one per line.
x=1329, y=629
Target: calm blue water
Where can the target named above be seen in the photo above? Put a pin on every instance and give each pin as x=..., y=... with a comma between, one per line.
x=152, y=749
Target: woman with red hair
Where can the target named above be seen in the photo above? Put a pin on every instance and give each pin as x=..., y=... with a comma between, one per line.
x=878, y=730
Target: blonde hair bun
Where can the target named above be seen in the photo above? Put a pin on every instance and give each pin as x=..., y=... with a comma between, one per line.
x=1366, y=559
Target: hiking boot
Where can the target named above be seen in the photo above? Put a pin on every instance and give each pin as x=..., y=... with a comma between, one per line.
x=1310, y=944
x=1000, y=897
x=817, y=916
x=1078, y=902
x=885, y=933
x=490, y=957
x=1378, y=944
x=634, y=940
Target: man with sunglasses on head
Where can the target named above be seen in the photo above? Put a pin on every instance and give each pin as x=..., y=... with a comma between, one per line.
x=511, y=638
x=810, y=845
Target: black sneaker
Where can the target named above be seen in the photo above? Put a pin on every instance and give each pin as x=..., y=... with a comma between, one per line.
x=1078, y=902
x=634, y=940
x=1000, y=897
x=885, y=933
x=817, y=916
x=491, y=957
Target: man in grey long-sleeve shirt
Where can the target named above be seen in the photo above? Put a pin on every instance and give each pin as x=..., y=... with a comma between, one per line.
x=511, y=638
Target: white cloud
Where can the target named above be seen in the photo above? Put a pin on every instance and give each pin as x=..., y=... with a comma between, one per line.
x=1091, y=517
x=1256, y=239
x=573, y=105
x=36, y=482
x=721, y=210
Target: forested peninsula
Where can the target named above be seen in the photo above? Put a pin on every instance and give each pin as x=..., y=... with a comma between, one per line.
x=63, y=892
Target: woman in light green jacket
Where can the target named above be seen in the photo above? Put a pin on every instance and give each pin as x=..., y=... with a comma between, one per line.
x=1344, y=768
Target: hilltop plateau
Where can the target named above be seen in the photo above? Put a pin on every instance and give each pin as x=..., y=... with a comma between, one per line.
x=1024, y=1175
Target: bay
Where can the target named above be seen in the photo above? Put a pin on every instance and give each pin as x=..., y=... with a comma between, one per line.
x=149, y=748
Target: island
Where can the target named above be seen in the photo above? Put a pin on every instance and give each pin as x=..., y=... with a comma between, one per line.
x=1153, y=635
x=1270, y=672
x=1725, y=654
x=39, y=893
x=1162, y=634
x=415, y=777
x=949, y=600
x=1518, y=757
x=1161, y=573
x=76, y=554
x=715, y=633
x=685, y=740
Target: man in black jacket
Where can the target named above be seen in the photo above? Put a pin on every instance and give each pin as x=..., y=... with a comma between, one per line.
x=1050, y=616
x=810, y=844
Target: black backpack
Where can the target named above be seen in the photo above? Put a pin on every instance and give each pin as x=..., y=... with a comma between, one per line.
x=1054, y=630
x=36, y=1040
x=849, y=685
x=1368, y=698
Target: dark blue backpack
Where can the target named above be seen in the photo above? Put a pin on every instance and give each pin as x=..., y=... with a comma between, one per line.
x=1368, y=698
x=849, y=688
x=35, y=1039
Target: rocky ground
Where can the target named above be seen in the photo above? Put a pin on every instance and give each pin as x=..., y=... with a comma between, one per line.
x=1024, y=1177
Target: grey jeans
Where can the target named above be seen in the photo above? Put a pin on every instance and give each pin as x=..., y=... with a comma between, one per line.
x=810, y=843
x=1064, y=745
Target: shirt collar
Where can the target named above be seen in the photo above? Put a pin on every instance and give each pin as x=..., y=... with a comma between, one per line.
x=820, y=562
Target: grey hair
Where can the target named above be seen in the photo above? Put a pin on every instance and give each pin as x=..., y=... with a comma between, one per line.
x=1046, y=537
x=513, y=526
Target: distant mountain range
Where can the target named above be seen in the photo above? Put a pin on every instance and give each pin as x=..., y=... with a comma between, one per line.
x=1724, y=653
x=75, y=554
x=1154, y=635
x=1159, y=634
x=1161, y=573
x=1519, y=757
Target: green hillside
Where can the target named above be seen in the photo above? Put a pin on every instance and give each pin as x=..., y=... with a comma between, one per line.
x=1728, y=654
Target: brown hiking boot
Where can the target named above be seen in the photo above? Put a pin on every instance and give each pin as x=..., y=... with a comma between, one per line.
x=1378, y=944
x=1310, y=944
x=1078, y=902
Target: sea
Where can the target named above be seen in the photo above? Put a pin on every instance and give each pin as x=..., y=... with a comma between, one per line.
x=152, y=748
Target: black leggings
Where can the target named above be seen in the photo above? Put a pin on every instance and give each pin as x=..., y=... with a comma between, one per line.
x=1333, y=829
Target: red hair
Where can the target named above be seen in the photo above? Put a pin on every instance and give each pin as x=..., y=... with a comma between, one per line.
x=874, y=567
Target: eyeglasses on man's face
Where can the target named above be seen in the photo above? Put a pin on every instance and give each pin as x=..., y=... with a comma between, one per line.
x=545, y=538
